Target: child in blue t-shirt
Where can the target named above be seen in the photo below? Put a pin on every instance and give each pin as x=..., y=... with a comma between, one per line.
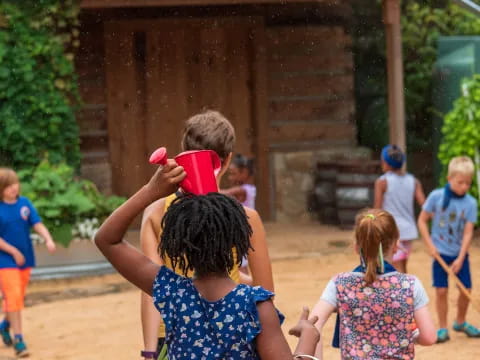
x=208, y=316
x=17, y=216
x=453, y=213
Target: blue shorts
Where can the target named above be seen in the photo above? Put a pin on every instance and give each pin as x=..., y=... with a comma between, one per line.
x=440, y=276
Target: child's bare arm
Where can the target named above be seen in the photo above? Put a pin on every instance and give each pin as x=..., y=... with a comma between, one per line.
x=129, y=262
x=379, y=190
x=237, y=192
x=271, y=343
x=426, y=327
x=423, y=220
x=419, y=194
x=149, y=236
x=466, y=242
x=308, y=335
x=322, y=310
x=42, y=230
x=150, y=230
x=13, y=251
x=259, y=259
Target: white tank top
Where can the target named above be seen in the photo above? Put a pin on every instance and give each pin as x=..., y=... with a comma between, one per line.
x=398, y=200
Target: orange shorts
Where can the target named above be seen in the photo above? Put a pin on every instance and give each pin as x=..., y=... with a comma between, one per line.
x=13, y=284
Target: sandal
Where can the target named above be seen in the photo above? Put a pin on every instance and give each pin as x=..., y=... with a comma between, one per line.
x=149, y=354
x=442, y=336
x=468, y=329
x=5, y=334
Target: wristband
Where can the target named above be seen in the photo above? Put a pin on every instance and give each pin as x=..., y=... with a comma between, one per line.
x=148, y=354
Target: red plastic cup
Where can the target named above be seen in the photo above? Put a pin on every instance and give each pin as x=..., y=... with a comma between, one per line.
x=201, y=167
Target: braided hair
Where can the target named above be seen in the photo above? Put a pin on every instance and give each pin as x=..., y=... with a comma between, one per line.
x=201, y=232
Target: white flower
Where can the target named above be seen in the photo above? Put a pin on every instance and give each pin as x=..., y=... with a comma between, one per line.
x=85, y=229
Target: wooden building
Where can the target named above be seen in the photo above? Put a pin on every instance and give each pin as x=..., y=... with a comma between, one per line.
x=280, y=70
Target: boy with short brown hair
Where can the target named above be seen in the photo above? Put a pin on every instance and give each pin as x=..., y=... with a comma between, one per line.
x=209, y=130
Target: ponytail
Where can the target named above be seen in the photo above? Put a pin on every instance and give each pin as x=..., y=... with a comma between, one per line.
x=375, y=231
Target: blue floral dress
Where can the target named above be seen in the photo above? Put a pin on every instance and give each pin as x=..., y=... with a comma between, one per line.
x=201, y=329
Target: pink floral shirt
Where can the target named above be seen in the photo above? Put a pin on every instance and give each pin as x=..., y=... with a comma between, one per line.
x=376, y=321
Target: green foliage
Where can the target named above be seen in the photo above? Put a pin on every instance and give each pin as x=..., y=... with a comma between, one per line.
x=422, y=23
x=461, y=128
x=62, y=200
x=38, y=85
x=58, y=198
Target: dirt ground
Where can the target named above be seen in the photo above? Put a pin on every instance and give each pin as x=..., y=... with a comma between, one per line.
x=98, y=318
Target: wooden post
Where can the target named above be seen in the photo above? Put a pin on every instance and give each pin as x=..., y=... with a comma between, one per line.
x=264, y=189
x=396, y=101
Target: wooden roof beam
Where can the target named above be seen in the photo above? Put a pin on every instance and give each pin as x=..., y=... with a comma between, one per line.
x=94, y=4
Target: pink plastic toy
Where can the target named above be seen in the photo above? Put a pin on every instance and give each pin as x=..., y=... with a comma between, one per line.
x=201, y=167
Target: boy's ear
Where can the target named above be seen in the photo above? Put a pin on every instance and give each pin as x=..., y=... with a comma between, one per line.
x=225, y=165
x=227, y=161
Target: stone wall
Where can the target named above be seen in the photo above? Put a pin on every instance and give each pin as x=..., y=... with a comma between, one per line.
x=293, y=179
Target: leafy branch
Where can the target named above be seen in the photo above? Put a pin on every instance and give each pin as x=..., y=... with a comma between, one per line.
x=38, y=85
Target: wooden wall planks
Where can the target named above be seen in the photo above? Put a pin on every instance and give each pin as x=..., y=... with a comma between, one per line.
x=310, y=86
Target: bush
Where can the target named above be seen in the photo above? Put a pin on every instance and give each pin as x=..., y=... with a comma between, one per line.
x=461, y=128
x=422, y=23
x=66, y=204
x=38, y=84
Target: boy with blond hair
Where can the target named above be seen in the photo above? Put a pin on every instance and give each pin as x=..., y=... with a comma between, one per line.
x=453, y=213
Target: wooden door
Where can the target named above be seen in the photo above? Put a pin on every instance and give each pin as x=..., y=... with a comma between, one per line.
x=160, y=72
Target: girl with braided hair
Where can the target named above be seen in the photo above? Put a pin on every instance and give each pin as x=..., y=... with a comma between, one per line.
x=379, y=309
x=207, y=316
x=208, y=130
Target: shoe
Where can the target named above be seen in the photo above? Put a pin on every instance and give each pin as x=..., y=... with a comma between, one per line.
x=20, y=349
x=467, y=328
x=6, y=337
x=442, y=336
